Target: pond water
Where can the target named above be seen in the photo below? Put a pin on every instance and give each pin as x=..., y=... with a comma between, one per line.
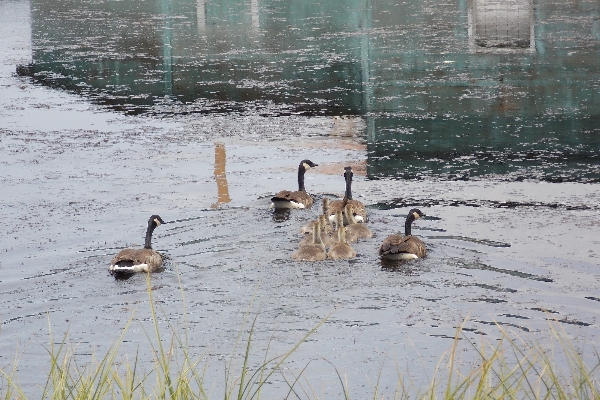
x=199, y=111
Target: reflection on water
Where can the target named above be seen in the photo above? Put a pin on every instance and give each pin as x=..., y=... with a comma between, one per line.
x=220, y=176
x=402, y=267
x=499, y=25
x=461, y=90
x=281, y=215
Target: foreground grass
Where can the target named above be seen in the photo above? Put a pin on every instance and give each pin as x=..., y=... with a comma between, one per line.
x=509, y=369
x=513, y=369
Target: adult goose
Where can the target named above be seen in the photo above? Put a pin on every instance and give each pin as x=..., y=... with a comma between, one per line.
x=407, y=247
x=296, y=199
x=360, y=212
x=128, y=261
x=354, y=230
x=341, y=250
x=314, y=251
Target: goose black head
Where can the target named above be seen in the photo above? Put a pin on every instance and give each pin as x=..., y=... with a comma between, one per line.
x=416, y=213
x=348, y=173
x=307, y=164
x=156, y=220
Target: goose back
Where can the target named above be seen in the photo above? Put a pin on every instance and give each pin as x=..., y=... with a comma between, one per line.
x=314, y=251
x=288, y=199
x=136, y=260
x=341, y=250
x=325, y=235
x=354, y=230
x=400, y=247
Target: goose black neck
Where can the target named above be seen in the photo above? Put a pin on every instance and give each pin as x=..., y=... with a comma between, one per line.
x=301, y=171
x=408, y=223
x=348, y=194
x=151, y=227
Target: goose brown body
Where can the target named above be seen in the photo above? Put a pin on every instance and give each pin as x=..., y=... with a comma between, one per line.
x=404, y=247
x=289, y=199
x=298, y=198
x=359, y=210
x=341, y=250
x=314, y=251
x=129, y=261
x=136, y=260
x=325, y=228
x=400, y=247
x=354, y=230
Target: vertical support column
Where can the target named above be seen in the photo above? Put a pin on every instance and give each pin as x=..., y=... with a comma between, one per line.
x=167, y=48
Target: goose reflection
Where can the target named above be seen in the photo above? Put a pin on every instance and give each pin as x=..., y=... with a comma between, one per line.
x=402, y=267
x=281, y=215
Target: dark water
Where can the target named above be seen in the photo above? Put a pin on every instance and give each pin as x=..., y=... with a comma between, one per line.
x=459, y=90
x=201, y=111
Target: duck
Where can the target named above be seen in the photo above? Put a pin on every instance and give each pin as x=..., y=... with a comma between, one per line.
x=328, y=228
x=297, y=199
x=313, y=251
x=354, y=230
x=407, y=246
x=128, y=261
x=341, y=250
x=360, y=212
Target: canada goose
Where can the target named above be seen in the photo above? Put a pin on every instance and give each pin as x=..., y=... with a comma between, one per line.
x=328, y=228
x=360, y=212
x=407, y=247
x=325, y=237
x=128, y=261
x=298, y=198
x=354, y=230
x=326, y=231
x=341, y=249
x=314, y=251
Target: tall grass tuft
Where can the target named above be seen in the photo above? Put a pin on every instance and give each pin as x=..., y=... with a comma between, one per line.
x=173, y=375
x=509, y=368
x=512, y=369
